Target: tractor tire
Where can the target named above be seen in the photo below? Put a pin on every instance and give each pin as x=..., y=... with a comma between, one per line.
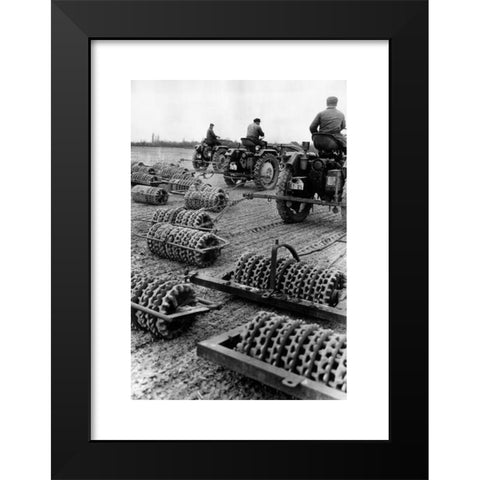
x=261, y=182
x=288, y=214
x=197, y=163
x=343, y=210
x=226, y=174
x=218, y=160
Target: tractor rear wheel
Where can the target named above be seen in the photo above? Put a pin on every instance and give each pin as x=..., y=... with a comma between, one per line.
x=265, y=173
x=290, y=212
x=218, y=160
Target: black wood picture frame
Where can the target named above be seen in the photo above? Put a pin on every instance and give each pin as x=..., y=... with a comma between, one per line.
x=404, y=24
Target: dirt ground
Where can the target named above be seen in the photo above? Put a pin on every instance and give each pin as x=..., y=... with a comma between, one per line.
x=171, y=369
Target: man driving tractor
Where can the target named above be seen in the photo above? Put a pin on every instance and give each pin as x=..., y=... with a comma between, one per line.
x=329, y=122
x=255, y=133
x=211, y=139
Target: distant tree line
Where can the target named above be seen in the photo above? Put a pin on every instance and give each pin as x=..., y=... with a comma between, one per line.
x=166, y=143
x=182, y=144
x=190, y=143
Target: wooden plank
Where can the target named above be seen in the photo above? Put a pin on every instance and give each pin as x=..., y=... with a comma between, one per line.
x=219, y=350
x=314, y=311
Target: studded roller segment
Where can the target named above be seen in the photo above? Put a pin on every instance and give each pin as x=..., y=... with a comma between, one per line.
x=297, y=280
x=207, y=197
x=327, y=286
x=139, y=283
x=150, y=195
x=163, y=297
x=238, y=271
x=183, y=244
x=139, y=178
x=142, y=317
x=298, y=347
x=258, y=271
x=174, y=297
x=141, y=168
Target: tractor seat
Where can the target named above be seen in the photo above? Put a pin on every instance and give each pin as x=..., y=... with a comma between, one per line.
x=246, y=142
x=325, y=142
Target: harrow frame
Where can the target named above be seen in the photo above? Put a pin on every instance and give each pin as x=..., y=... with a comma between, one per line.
x=219, y=349
x=289, y=198
x=221, y=246
x=270, y=297
x=181, y=312
x=267, y=297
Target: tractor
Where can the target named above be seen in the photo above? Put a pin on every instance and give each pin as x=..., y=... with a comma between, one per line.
x=309, y=178
x=205, y=155
x=260, y=163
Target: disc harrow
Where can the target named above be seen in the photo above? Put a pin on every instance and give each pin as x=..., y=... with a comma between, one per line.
x=182, y=244
x=150, y=195
x=140, y=178
x=164, y=298
x=180, y=216
x=298, y=347
x=295, y=279
x=205, y=197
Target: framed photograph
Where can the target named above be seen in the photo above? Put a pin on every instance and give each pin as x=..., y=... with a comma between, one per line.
x=200, y=233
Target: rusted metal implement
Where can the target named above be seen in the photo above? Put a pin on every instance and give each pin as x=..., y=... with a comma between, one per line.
x=150, y=195
x=187, y=245
x=286, y=283
x=198, y=219
x=207, y=197
x=298, y=358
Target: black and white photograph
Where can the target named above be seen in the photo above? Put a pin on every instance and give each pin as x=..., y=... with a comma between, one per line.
x=238, y=239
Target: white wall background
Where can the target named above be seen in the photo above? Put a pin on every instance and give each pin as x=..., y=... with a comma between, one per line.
x=25, y=357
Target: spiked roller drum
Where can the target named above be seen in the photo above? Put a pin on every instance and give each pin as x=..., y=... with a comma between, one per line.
x=187, y=218
x=206, y=197
x=182, y=180
x=295, y=279
x=163, y=297
x=166, y=171
x=298, y=347
x=141, y=168
x=150, y=195
x=183, y=244
x=139, y=178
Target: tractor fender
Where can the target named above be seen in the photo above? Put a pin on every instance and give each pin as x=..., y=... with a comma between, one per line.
x=264, y=151
x=291, y=160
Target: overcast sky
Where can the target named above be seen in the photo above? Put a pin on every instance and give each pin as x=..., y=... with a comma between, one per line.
x=183, y=109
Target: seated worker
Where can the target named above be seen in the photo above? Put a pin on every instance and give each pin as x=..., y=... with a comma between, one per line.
x=331, y=121
x=211, y=139
x=255, y=133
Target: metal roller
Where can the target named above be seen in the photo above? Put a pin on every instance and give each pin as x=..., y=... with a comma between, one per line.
x=295, y=279
x=206, y=197
x=139, y=178
x=150, y=195
x=163, y=297
x=298, y=347
x=183, y=244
